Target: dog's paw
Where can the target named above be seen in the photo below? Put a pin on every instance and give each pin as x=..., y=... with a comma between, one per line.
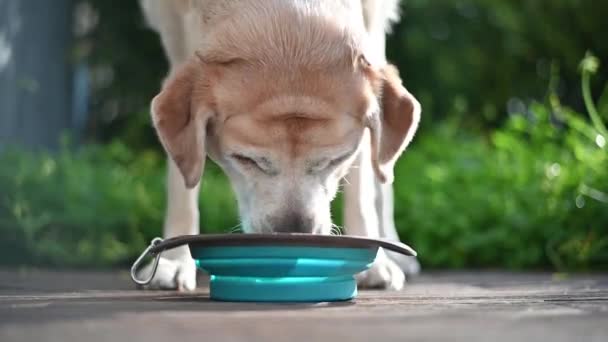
x=409, y=264
x=383, y=274
x=171, y=274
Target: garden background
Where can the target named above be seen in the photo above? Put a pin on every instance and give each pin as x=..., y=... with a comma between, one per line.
x=509, y=169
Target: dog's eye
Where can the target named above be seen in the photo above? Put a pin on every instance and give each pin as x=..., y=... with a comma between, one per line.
x=328, y=164
x=261, y=164
x=245, y=161
x=337, y=161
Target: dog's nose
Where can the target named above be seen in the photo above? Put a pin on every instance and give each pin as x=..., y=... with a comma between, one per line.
x=293, y=223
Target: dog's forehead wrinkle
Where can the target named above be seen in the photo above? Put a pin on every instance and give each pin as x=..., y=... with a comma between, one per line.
x=293, y=135
x=302, y=105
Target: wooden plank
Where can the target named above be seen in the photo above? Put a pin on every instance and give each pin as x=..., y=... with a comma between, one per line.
x=463, y=306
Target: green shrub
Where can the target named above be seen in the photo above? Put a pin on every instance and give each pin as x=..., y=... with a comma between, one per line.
x=531, y=194
x=96, y=206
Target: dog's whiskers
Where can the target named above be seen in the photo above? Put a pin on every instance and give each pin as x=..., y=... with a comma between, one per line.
x=236, y=229
x=340, y=189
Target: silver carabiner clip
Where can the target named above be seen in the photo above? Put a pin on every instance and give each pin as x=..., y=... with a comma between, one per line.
x=137, y=262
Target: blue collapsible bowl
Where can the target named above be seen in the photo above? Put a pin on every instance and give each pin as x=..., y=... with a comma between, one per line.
x=282, y=267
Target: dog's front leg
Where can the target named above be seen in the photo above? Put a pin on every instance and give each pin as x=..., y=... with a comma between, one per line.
x=385, y=208
x=362, y=218
x=176, y=269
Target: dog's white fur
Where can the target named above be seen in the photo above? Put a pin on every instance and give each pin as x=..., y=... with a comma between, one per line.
x=187, y=27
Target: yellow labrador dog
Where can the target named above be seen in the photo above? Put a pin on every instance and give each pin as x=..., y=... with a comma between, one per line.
x=288, y=97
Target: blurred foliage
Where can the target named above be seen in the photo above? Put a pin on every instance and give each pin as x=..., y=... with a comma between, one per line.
x=532, y=194
x=126, y=63
x=96, y=205
x=476, y=58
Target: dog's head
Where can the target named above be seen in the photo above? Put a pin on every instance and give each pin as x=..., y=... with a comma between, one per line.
x=285, y=124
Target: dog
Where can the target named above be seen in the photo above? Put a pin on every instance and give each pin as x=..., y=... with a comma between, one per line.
x=290, y=98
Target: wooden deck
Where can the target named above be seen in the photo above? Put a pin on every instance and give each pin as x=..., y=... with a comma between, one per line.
x=77, y=306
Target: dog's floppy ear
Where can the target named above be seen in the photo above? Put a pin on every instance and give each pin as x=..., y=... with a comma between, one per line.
x=393, y=127
x=180, y=115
